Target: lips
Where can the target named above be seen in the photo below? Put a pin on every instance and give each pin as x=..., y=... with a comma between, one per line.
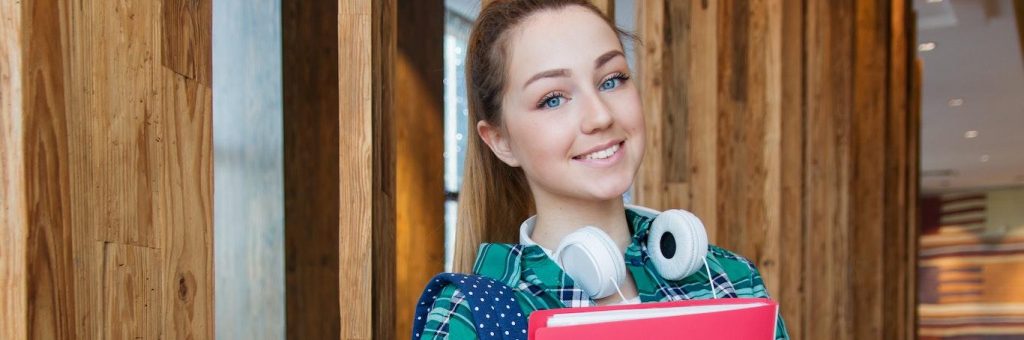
x=601, y=152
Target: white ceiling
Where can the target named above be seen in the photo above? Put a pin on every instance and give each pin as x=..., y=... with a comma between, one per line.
x=977, y=58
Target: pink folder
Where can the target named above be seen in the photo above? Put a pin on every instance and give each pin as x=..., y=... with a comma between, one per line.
x=751, y=319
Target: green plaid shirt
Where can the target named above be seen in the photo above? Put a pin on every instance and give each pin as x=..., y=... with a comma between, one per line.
x=539, y=283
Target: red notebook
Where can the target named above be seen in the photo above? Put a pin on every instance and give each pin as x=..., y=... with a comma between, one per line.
x=696, y=319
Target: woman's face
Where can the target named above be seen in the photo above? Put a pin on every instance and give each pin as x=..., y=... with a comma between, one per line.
x=571, y=115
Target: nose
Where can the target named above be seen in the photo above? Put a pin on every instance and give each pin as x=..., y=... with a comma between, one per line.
x=597, y=116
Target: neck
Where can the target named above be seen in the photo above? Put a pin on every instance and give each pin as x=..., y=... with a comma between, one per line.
x=558, y=217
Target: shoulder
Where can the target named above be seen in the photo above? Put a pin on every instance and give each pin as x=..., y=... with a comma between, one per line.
x=741, y=272
x=449, y=316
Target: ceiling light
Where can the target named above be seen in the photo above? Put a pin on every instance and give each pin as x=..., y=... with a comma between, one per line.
x=926, y=46
x=971, y=134
x=956, y=102
x=984, y=158
x=934, y=1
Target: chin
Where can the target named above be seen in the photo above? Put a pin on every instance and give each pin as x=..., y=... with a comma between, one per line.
x=609, y=191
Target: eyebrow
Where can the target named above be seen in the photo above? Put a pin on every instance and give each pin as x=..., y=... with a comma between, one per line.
x=604, y=58
x=563, y=72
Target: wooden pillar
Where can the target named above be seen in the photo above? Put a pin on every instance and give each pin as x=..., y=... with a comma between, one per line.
x=107, y=128
x=419, y=127
x=366, y=52
x=310, y=79
x=340, y=168
x=13, y=207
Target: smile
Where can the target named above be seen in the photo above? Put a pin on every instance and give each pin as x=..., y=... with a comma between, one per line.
x=601, y=154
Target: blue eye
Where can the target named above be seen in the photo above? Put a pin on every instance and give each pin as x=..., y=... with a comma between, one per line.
x=610, y=84
x=552, y=102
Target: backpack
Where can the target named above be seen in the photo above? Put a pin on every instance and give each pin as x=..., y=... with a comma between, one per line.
x=496, y=314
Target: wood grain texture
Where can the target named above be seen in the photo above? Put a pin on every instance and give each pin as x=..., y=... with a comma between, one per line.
x=676, y=73
x=868, y=126
x=419, y=146
x=790, y=285
x=829, y=82
x=311, y=169
x=703, y=123
x=51, y=285
x=118, y=177
x=366, y=40
x=649, y=185
x=131, y=291
x=13, y=206
x=799, y=148
x=187, y=42
x=897, y=155
x=186, y=207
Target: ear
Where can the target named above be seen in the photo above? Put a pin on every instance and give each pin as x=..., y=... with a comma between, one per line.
x=498, y=141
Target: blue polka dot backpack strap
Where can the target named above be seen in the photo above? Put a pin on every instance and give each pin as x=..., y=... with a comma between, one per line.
x=496, y=313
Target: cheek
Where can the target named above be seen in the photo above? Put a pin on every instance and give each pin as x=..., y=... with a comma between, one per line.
x=541, y=142
x=630, y=113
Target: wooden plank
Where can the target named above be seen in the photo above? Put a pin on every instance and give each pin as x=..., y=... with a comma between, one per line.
x=187, y=42
x=131, y=292
x=366, y=40
x=186, y=197
x=868, y=146
x=50, y=252
x=769, y=254
x=113, y=50
x=13, y=205
x=790, y=286
x=829, y=68
x=648, y=187
x=703, y=118
x=186, y=192
x=896, y=227
x=419, y=127
x=676, y=73
x=310, y=77
x=913, y=173
x=142, y=172
x=119, y=155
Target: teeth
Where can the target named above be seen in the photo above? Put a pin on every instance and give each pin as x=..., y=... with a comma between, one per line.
x=603, y=153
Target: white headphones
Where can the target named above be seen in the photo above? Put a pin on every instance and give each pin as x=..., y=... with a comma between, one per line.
x=677, y=244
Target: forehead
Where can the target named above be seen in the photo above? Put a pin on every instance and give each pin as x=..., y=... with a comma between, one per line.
x=570, y=37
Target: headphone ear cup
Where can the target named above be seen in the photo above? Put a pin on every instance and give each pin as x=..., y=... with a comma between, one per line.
x=677, y=243
x=591, y=259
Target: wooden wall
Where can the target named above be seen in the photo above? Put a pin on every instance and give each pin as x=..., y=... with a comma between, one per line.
x=785, y=126
x=419, y=146
x=107, y=170
x=311, y=151
x=340, y=177
x=13, y=209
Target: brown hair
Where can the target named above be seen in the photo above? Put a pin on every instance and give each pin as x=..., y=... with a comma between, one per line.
x=494, y=197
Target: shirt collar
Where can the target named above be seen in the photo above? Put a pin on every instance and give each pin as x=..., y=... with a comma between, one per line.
x=541, y=269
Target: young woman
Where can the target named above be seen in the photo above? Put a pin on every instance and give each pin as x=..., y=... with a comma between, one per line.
x=559, y=133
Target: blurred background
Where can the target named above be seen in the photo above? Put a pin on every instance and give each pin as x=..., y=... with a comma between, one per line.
x=972, y=188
